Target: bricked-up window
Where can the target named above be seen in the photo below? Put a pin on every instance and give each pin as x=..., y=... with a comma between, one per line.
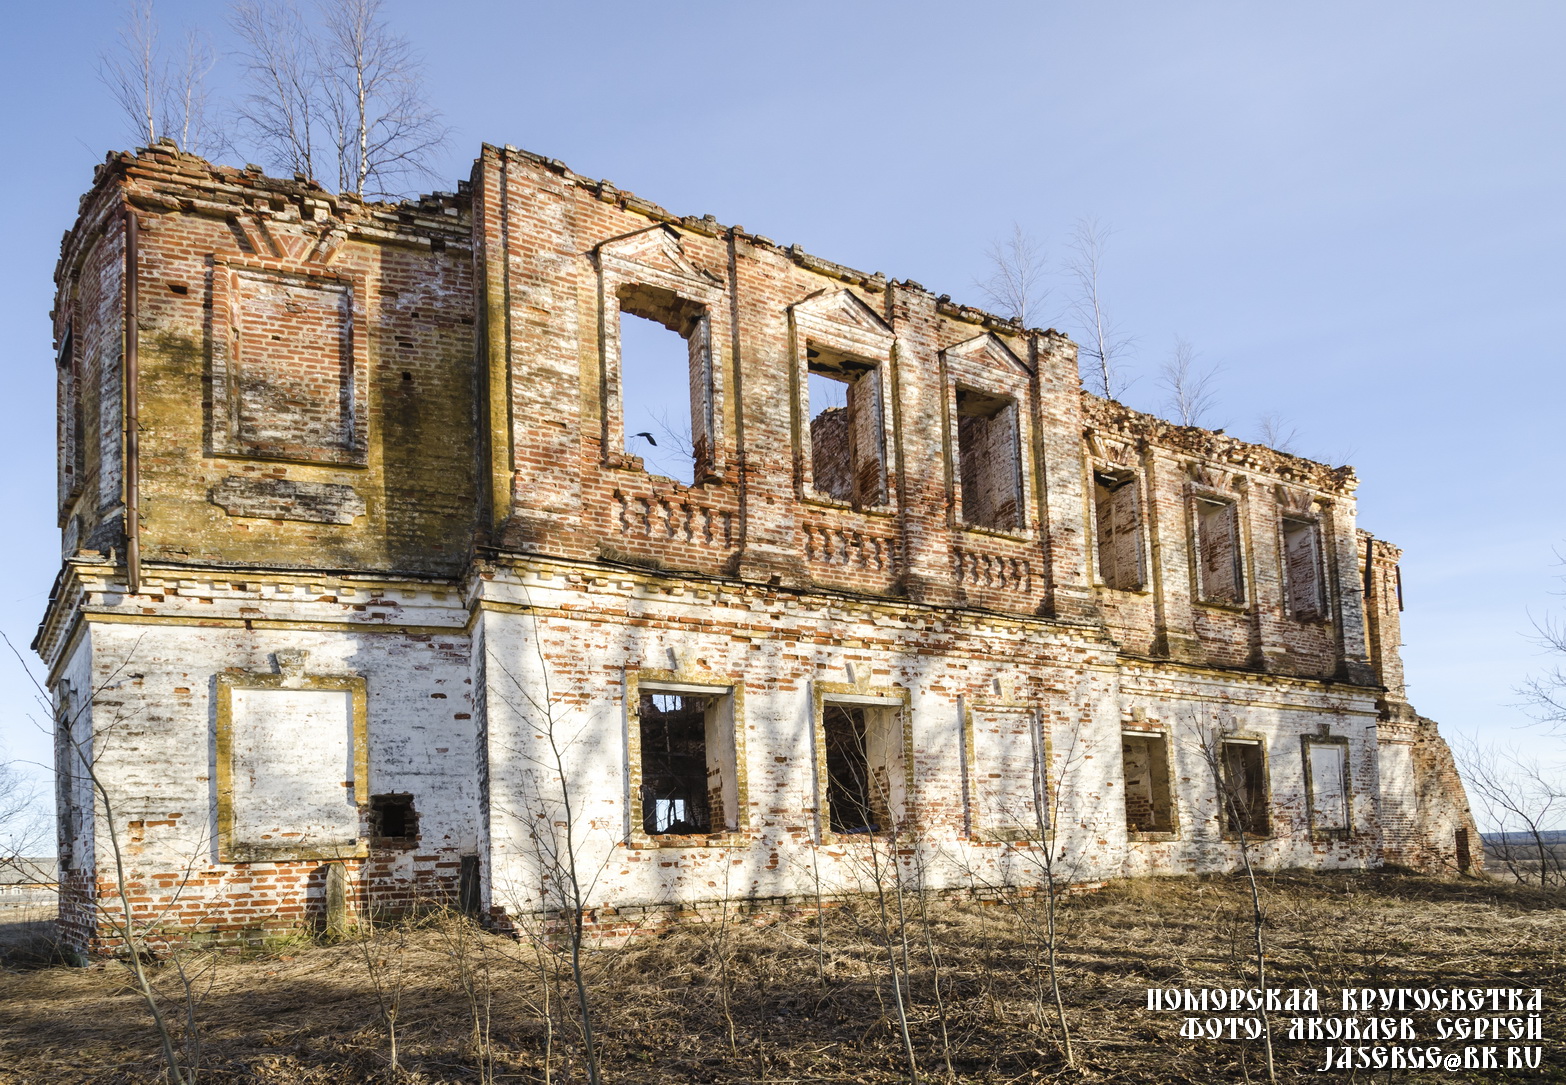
x=862, y=750
x=1219, y=576
x=664, y=404
x=1302, y=577
x=1008, y=784
x=988, y=466
x=847, y=453
x=293, y=397
x=1149, y=806
x=1244, y=782
x=71, y=428
x=1326, y=765
x=687, y=763
x=1118, y=523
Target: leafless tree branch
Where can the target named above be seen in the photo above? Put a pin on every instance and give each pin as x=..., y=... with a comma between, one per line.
x=1191, y=389
x=282, y=71
x=132, y=71
x=1276, y=432
x=1525, y=800
x=160, y=98
x=1105, y=347
x=1015, y=286
x=342, y=90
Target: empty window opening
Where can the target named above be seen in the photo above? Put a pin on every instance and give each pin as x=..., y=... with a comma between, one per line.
x=843, y=402
x=674, y=764
x=1149, y=808
x=687, y=764
x=1218, y=552
x=1465, y=859
x=392, y=817
x=1244, y=783
x=1119, y=530
x=1329, y=794
x=663, y=382
x=1302, y=577
x=987, y=460
x=860, y=754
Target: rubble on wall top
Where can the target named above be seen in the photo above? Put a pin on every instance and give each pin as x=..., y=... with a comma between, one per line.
x=709, y=226
x=182, y=181
x=1379, y=547
x=1214, y=446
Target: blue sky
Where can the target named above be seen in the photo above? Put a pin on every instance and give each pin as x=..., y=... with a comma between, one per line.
x=1356, y=210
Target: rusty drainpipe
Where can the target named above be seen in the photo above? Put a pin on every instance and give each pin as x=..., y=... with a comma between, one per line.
x=132, y=410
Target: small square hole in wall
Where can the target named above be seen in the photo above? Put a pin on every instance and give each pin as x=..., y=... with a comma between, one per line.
x=392, y=817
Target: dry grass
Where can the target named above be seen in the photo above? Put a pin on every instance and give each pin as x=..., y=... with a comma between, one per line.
x=309, y=1016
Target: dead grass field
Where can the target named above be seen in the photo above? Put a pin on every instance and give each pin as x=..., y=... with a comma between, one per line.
x=803, y=1012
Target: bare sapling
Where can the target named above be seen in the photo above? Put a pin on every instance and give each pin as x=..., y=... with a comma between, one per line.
x=867, y=815
x=383, y=949
x=86, y=738
x=1037, y=837
x=1104, y=347
x=344, y=92
x=550, y=816
x=1238, y=818
x=161, y=97
x=921, y=898
x=1016, y=286
x=1524, y=798
x=473, y=960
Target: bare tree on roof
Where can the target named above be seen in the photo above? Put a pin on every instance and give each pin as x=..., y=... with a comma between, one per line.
x=1015, y=286
x=160, y=97
x=1191, y=389
x=1105, y=347
x=283, y=74
x=343, y=90
x=1277, y=432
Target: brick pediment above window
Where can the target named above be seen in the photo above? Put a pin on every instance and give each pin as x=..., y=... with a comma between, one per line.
x=842, y=321
x=656, y=250
x=990, y=351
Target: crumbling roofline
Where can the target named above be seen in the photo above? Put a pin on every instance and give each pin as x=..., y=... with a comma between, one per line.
x=709, y=226
x=1214, y=446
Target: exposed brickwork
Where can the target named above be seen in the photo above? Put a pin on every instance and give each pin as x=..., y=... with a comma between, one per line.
x=1426, y=822
x=382, y=448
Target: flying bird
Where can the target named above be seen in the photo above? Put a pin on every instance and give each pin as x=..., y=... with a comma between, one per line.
x=649, y=438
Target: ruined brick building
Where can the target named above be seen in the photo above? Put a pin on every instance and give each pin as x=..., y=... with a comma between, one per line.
x=359, y=567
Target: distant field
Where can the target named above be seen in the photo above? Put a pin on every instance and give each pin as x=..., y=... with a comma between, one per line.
x=1522, y=857
x=803, y=1010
